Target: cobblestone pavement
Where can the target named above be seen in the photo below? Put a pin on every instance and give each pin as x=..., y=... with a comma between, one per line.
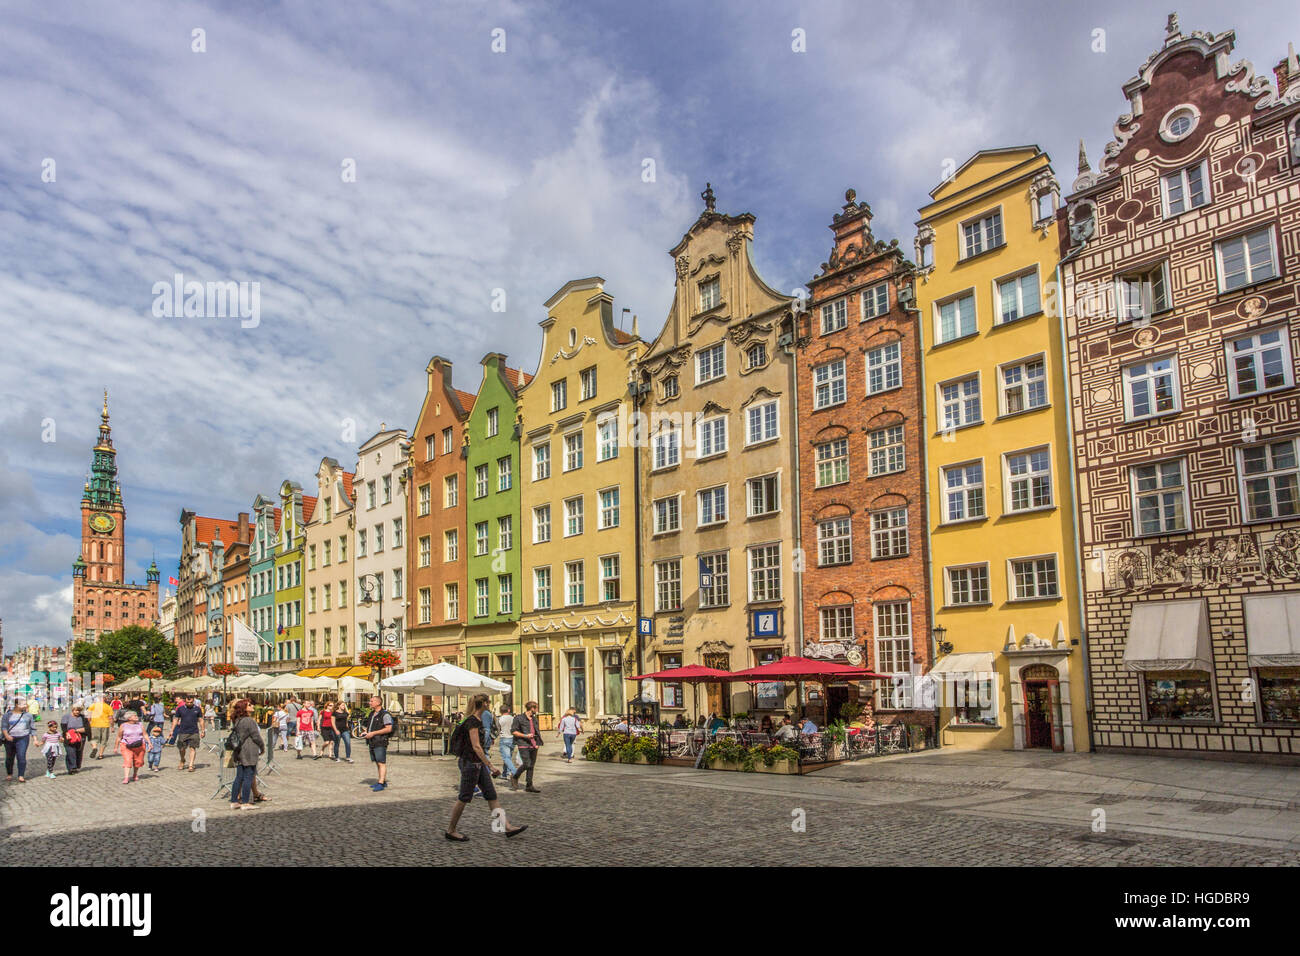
x=945, y=808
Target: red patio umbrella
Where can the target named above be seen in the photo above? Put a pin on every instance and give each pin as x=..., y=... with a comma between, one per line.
x=803, y=668
x=690, y=674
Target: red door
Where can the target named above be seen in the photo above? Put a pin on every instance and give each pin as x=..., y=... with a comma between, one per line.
x=1040, y=714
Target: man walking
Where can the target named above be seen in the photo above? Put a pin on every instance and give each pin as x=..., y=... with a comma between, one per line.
x=380, y=728
x=524, y=730
x=101, y=722
x=507, y=744
x=157, y=714
x=476, y=772
x=187, y=728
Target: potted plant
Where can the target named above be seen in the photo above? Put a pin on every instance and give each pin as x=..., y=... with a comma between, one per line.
x=837, y=733
x=379, y=660
x=150, y=675
x=776, y=759
x=725, y=754
x=225, y=671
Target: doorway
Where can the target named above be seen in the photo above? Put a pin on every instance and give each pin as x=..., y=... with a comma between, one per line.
x=837, y=696
x=718, y=702
x=1038, y=713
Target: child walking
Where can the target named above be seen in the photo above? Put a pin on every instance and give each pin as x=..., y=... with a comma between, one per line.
x=155, y=749
x=52, y=747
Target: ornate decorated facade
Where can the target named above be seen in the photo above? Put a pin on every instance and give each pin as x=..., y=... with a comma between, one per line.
x=1181, y=283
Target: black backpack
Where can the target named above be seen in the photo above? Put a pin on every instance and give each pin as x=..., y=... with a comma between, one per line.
x=459, y=744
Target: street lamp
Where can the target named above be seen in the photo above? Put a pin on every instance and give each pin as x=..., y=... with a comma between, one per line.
x=943, y=646
x=386, y=636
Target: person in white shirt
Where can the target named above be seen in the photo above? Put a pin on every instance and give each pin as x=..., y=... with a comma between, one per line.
x=569, y=729
x=506, y=743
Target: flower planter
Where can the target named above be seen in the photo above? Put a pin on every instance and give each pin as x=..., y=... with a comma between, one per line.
x=638, y=759
x=724, y=765
x=781, y=766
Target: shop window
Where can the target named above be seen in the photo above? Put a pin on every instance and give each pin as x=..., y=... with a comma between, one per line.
x=1184, y=696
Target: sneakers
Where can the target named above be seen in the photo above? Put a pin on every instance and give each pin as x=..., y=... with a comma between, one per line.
x=376, y=787
x=348, y=759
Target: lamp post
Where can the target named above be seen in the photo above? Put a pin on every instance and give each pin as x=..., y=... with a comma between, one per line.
x=385, y=637
x=942, y=646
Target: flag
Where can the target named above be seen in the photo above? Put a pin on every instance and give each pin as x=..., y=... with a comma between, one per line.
x=172, y=581
x=280, y=629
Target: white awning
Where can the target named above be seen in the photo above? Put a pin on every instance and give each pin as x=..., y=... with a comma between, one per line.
x=962, y=666
x=1169, y=636
x=1273, y=629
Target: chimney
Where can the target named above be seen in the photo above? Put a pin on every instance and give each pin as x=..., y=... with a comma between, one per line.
x=1287, y=70
x=243, y=537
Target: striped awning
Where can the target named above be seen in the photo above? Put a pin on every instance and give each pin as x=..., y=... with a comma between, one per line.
x=312, y=672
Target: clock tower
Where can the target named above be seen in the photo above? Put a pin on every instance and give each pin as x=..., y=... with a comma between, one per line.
x=102, y=600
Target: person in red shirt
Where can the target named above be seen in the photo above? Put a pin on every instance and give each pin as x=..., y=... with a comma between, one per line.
x=327, y=735
x=308, y=727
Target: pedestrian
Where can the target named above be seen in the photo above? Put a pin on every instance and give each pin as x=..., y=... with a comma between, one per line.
x=154, y=749
x=34, y=708
x=281, y=723
x=380, y=727
x=307, y=729
x=291, y=708
x=130, y=744
x=76, y=728
x=326, y=719
x=569, y=729
x=210, y=715
x=188, y=729
x=476, y=772
x=524, y=730
x=18, y=728
x=101, y=720
x=342, y=729
x=157, y=714
x=507, y=744
x=248, y=747
x=51, y=745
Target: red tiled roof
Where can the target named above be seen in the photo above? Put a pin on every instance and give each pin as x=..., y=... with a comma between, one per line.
x=348, y=478
x=277, y=519
x=515, y=377
x=622, y=338
x=308, y=506
x=466, y=399
x=205, y=530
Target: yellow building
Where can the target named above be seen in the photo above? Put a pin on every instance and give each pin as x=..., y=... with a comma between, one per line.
x=578, y=509
x=1001, y=510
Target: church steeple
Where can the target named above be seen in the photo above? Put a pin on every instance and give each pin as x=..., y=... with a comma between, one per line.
x=102, y=490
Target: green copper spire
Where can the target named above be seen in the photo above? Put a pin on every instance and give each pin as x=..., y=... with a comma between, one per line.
x=102, y=490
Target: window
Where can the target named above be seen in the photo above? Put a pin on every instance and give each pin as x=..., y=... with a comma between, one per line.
x=834, y=542
x=1259, y=363
x=397, y=532
x=505, y=594
x=379, y=538
x=607, y=438
x=1034, y=578
x=968, y=585
x=572, y=516
x=448, y=437
x=428, y=448
x=451, y=491
x=1024, y=386
x=481, y=597
x=610, y=589
x=712, y=503
x=710, y=294
x=613, y=663
x=574, y=583
x=875, y=300
x=545, y=683
x=762, y=423
x=426, y=550
x=893, y=634
x=451, y=544
x=1279, y=696
x=756, y=355
x=361, y=549
x=959, y=403
x=1159, y=497
x=1246, y=259
x=609, y=508
x=836, y=624
x=560, y=395
x=981, y=235
x=397, y=582
x=1186, y=189
x=1151, y=388
x=668, y=585
x=889, y=533
x=711, y=437
x=1178, y=696
x=480, y=481
x=671, y=389
x=541, y=524
x=765, y=573
x=832, y=462
x=1141, y=294
x=835, y=315
x=1269, y=479
x=450, y=603
x=504, y=468
x=573, y=451
x=886, y=453
x=718, y=593
x=884, y=368
x=481, y=538
x=426, y=605
x=667, y=515
x=311, y=558
x=668, y=448
x=542, y=589
x=1018, y=297
x=829, y=384
x=505, y=532
x=956, y=318
x=710, y=363
x=370, y=494
x=426, y=499
x=541, y=461
x=764, y=495
x=1029, y=480
x=587, y=383
x=964, y=491
x=493, y=422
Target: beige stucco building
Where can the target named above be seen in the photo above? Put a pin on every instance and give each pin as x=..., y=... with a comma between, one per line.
x=330, y=628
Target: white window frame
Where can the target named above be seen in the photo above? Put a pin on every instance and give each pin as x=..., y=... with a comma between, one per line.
x=872, y=306
x=710, y=425
x=575, y=583
x=989, y=236
x=1149, y=279
x=899, y=697
x=841, y=627
x=542, y=523
x=1251, y=267
x=770, y=570
x=1160, y=491
x=1024, y=386
x=1129, y=376
x=570, y=514
x=699, y=506
x=719, y=566
x=835, y=540
x=668, y=585
x=885, y=530
x=762, y=480
x=606, y=438
x=830, y=383
x=1270, y=474
x=606, y=578
x=887, y=361
x=975, y=595
x=541, y=461
x=955, y=301
x=542, y=588
x=667, y=514
x=999, y=316
x=1009, y=481
x=831, y=462
x=1181, y=175
x=834, y=315
x=667, y=450
x=717, y=368
x=587, y=383
x=559, y=395
x=575, y=449
x=965, y=490
x=1253, y=352
x=885, y=448
x=609, y=508
x=965, y=395
x=760, y=408
x=1013, y=585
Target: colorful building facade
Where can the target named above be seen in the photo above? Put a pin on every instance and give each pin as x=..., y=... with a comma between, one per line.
x=328, y=580
x=379, y=542
x=261, y=578
x=295, y=511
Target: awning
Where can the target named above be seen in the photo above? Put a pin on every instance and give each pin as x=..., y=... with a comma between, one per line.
x=311, y=672
x=961, y=666
x=358, y=671
x=334, y=673
x=1273, y=629
x=1169, y=636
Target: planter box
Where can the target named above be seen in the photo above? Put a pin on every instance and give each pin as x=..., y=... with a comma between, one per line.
x=641, y=759
x=781, y=766
x=723, y=765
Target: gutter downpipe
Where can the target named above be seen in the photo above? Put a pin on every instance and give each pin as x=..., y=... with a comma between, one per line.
x=925, y=501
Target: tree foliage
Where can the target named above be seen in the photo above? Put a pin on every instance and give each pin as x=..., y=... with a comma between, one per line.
x=127, y=650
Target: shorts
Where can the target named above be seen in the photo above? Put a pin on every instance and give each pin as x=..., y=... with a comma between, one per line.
x=379, y=754
x=101, y=734
x=474, y=774
x=187, y=740
x=307, y=736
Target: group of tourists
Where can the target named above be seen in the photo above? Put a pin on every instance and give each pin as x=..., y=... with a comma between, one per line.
x=329, y=725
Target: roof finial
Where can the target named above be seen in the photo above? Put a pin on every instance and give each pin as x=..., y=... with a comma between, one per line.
x=104, y=413
x=1171, y=28
x=1084, y=167
x=708, y=196
x=1292, y=61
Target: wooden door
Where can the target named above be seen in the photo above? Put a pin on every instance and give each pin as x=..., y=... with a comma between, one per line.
x=1038, y=713
x=717, y=702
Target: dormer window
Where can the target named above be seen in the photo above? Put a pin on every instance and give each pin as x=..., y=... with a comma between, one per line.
x=710, y=294
x=756, y=355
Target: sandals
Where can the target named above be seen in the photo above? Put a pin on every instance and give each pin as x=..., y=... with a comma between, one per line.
x=459, y=838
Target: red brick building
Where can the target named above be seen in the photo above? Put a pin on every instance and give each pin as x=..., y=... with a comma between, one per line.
x=102, y=600
x=862, y=516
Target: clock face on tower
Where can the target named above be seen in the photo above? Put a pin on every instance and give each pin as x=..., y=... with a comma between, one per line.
x=102, y=523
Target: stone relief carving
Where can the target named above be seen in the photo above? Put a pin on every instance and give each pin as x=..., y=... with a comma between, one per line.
x=570, y=353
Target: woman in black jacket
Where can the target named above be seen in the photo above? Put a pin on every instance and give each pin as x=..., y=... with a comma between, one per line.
x=248, y=750
x=75, y=729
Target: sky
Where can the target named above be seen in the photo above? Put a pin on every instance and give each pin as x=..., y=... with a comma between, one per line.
x=387, y=173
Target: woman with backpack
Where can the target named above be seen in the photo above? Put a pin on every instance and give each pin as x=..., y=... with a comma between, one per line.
x=76, y=729
x=245, y=745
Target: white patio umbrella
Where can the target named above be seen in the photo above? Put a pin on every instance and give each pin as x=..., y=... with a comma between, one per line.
x=294, y=682
x=354, y=685
x=441, y=678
